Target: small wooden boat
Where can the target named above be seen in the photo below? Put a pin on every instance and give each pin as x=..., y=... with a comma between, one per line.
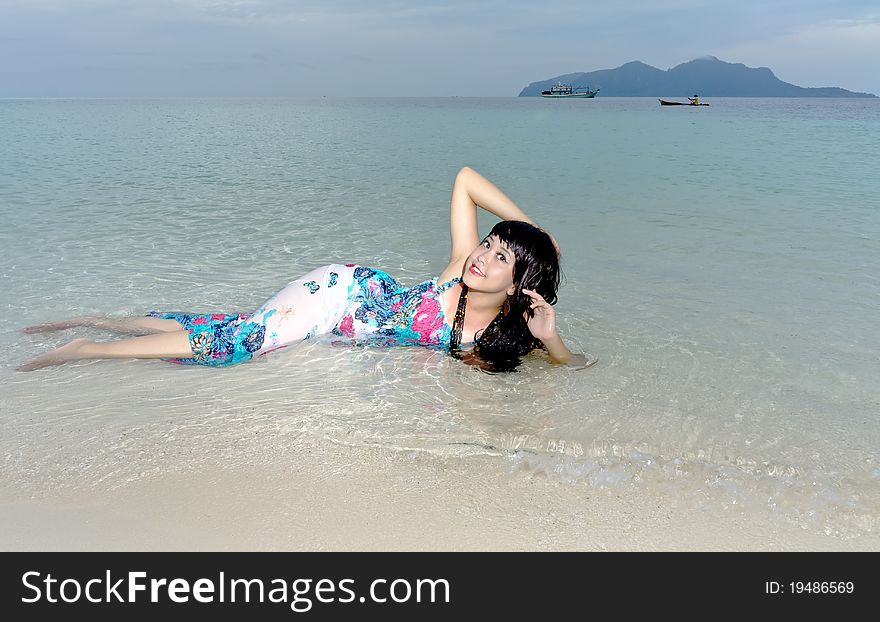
x=664, y=102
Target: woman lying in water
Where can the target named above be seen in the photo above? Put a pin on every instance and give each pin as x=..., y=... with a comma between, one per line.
x=498, y=293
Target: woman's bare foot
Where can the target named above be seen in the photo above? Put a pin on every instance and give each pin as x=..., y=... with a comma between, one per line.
x=582, y=361
x=53, y=326
x=69, y=352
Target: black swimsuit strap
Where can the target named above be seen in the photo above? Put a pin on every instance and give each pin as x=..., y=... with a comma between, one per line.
x=458, y=322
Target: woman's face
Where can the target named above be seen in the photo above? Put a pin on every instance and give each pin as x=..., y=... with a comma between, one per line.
x=490, y=267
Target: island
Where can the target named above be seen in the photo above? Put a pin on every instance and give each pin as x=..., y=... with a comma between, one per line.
x=708, y=76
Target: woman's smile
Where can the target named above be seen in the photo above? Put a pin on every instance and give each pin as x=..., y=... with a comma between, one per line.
x=475, y=270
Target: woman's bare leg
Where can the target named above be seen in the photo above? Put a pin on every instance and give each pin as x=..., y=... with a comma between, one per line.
x=159, y=346
x=128, y=325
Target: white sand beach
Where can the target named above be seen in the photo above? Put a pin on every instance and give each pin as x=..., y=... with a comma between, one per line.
x=336, y=498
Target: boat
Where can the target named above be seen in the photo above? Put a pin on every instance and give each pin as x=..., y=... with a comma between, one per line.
x=664, y=102
x=566, y=90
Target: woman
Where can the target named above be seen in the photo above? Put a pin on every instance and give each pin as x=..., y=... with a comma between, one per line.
x=496, y=294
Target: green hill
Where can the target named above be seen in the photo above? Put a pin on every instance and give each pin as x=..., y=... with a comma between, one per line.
x=707, y=76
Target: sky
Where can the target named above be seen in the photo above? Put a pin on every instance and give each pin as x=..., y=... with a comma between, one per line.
x=468, y=48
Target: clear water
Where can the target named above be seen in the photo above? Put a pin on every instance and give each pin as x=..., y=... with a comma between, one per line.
x=722, y=262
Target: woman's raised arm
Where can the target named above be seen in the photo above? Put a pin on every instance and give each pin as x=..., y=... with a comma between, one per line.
x=470, y=191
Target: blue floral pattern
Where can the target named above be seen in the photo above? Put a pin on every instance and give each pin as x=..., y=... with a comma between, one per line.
x=382, y=309
x=217, y=339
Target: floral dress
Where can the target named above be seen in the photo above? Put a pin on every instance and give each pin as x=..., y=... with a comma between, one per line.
x=363, y=304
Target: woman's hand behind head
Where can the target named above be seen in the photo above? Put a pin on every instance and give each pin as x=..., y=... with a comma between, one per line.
x=555, y=244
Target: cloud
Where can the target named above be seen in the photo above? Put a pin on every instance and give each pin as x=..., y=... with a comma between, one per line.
x=218, y=66
x=832, y=53
x=102, y=68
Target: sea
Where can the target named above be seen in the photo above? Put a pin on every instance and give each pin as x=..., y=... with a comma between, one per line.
x=722, y=262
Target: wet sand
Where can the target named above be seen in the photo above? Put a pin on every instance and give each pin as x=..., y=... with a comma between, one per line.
x=335, y=498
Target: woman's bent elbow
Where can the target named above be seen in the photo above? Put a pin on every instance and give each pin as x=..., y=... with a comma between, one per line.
x=464, y=171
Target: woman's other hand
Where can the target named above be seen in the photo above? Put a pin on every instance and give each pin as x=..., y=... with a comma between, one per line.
x=542, y=324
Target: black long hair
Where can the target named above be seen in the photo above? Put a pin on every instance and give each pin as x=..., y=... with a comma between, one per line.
x=507, y=338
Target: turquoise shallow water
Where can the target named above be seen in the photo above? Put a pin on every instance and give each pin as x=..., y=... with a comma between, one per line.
x=722, y=262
